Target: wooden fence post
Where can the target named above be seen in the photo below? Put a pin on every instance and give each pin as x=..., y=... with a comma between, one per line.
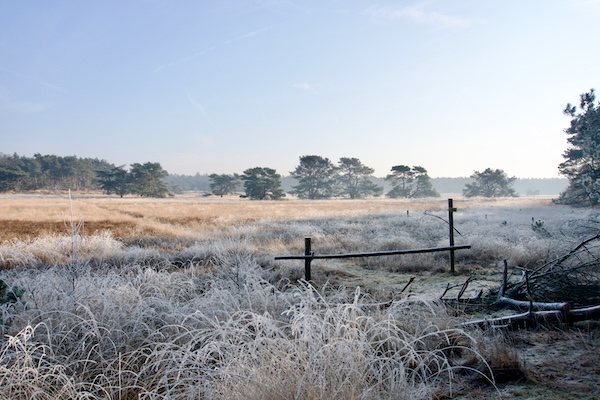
x=451, y=210
x=307, y=260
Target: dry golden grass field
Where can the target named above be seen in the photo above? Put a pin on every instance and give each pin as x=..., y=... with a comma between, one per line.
x=25, y=216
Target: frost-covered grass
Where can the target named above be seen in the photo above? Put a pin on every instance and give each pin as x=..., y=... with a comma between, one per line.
x=524, y=235
x=210, y=314
x=135, y=332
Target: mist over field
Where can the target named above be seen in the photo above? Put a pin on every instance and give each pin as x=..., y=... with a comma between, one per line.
x=523, y=186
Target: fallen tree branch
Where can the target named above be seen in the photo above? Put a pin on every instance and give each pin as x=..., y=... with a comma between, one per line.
x=387, y=304
x=572, y=277
x=412, y=278
x=537, y=318
x=461, y=292
x=468, y=300
x=463, y=287
x=547, y=314
x=525, y=304
x=518, y=321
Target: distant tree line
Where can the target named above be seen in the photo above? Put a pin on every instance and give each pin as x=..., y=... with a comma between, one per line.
x=315, y=177
x=178, y=184
x=318, y=177
x=50, y=172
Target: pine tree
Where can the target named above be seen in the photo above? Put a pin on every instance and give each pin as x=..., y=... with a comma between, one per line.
x=582, y=158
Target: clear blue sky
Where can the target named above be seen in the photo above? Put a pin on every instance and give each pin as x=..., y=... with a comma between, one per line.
x=221, y=86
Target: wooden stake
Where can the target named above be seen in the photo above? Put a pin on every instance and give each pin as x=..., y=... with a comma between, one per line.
x=307, y=260
x=451, y=210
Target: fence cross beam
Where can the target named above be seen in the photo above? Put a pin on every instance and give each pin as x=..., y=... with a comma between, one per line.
x=313, y=256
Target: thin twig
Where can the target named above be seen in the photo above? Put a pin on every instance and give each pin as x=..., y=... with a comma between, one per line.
x=437, y=216
x=412, y=278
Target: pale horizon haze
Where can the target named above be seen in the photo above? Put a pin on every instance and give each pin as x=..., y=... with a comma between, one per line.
x=454, y=86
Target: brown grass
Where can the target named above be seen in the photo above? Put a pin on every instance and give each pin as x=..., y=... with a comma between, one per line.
x=191, y=215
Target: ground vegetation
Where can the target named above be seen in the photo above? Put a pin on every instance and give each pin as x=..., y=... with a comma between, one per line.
x=182, y=298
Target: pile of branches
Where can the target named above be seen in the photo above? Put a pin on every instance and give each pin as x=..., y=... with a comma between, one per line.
x=574, y=277
x=565, y=290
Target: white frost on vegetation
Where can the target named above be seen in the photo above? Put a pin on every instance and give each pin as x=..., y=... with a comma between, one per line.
x=99, y=319
x=134, y=331
x=59, y=249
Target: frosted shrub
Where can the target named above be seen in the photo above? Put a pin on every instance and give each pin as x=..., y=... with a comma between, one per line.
x=525, y=251
x=16, y=253
x=238, y=282
x=97, y=324
x=327, y=350
x=509, y=233
x=140, y=256
x=282, y=233
x=58, y=249
x=200, y=253
x=113, y=332
x=30, y=370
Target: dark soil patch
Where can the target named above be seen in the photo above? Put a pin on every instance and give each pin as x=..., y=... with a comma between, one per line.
x=24, y=230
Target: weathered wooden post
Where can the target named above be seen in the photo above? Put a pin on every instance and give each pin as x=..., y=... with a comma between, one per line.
x=308, y=258
x=451, y=210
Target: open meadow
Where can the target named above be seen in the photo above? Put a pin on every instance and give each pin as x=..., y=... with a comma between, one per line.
x=125, y=298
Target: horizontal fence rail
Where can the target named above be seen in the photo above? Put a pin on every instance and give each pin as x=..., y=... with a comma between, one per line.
x=373, y=253
x=310, y=255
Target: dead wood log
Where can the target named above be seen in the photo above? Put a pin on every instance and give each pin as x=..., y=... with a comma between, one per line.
x=535, y=305
x=536, y=318
x=519, y=321
x=584, y=314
